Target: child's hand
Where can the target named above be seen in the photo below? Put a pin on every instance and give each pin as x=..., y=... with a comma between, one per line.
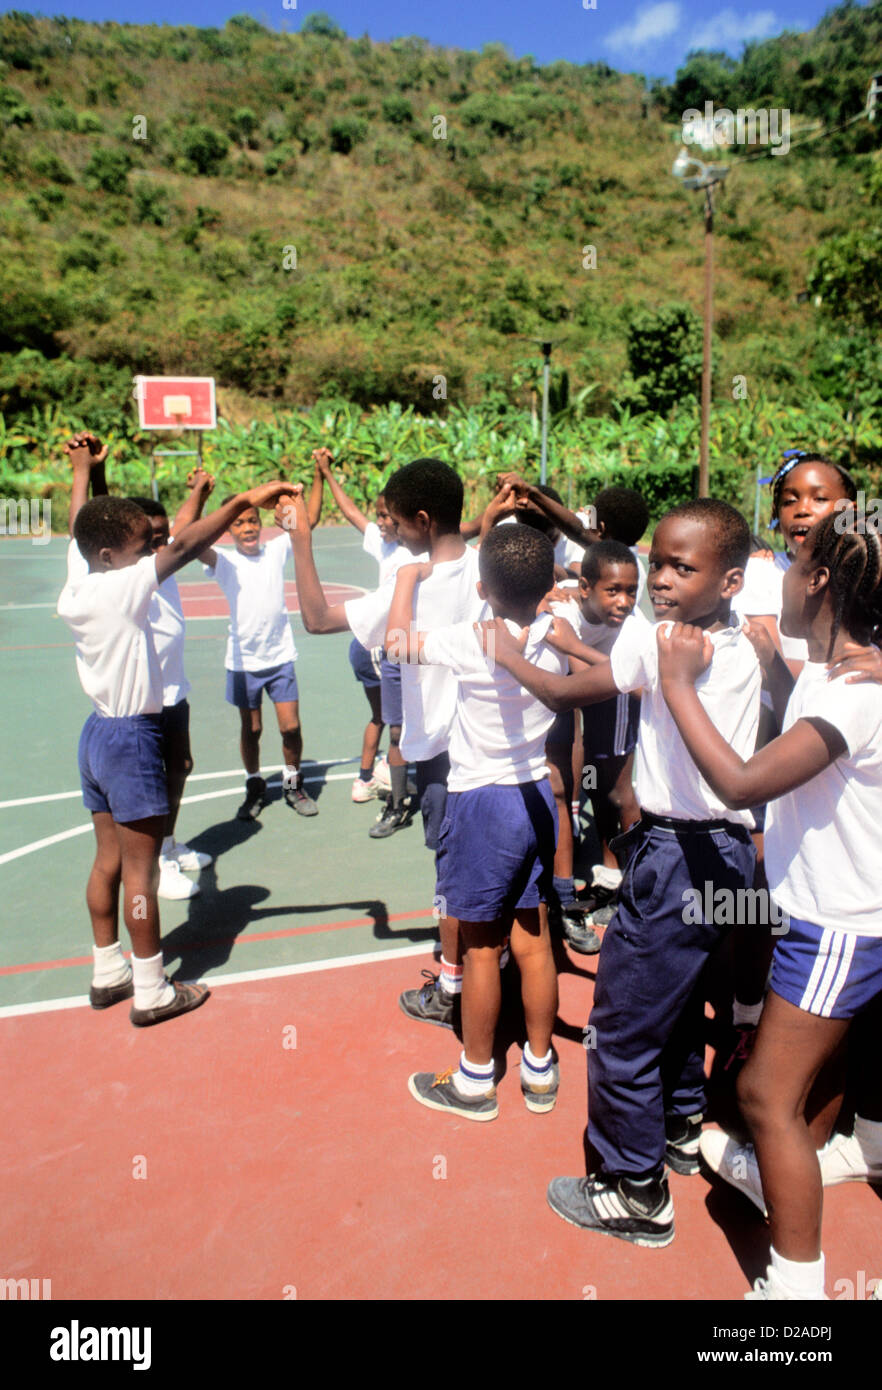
x=85, y=450
x=761, y=640
x=860, y=664
x=503, y=504
x=560, y=636
x=199, y=480
x=416, y=572
x=290, y=511
x=497, y=642
x=514, y=481
x=268, y=494
x=683, y=653
x=323, y=459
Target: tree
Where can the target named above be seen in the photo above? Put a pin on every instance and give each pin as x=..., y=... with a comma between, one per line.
x=203, y=148
x=664, y=356
x=322, y=24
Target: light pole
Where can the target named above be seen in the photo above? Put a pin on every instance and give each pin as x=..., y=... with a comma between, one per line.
x=546, y=346
x=694, y=173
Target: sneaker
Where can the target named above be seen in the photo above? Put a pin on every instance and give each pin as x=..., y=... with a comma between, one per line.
x=102, y=996
x=393, y=818
x=172, y=882
x=187, y=997
x=604, y=915
x=301, y=802
x=540, y=1099
x=365, y=791
x=682, y=1133
x=843, y=1160
x=771, y=1290
x=602, y=876
x=591, y=899
x=382, y=775
x=579, y=933
x=430, y=1003
x=641, y=1214
x=190, y=860
x=743, y=1039
x=735, y=1163
x=438, y=1091
x=255, y=799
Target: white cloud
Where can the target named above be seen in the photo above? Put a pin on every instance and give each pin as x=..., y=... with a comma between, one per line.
x=652, y=22
x=729, y=27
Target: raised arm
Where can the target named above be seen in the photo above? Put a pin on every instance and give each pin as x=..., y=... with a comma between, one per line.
x=201, y=534
x=500, y=505
x=564, y=519
x=558, y=693
x=787, y=762
x=200, y=484
x=87, y=456
x=402, y=643
x=777, y=677
x=316, y=496
x=318, y=615
x=323, y=460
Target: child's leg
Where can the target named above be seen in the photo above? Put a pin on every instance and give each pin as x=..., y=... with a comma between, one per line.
x=373, y=732
x=531, y=948
x=559, y=757
x=288, y=716
x=481, y=988
x=102, y=889
x=397, y=766
x=791, y=1047
x=139, y=843
x=249, y=739
x=613, y=803
x=178, y=760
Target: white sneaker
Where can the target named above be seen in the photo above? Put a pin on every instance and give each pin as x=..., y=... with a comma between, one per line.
x=735, y=1163
x=364, y=791
x=382, y=775
x=172, y=882
x=772, y=1290
x=842, y=1159
x=192, y=860
x=605, y=877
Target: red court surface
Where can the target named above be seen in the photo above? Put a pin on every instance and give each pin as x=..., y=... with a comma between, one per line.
x=211, y=1158
x=207, y=601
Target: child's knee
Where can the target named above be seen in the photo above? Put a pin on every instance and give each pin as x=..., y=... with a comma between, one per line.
x=394, y=735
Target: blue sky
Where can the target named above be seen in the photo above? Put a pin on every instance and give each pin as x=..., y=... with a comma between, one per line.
x=650, y=36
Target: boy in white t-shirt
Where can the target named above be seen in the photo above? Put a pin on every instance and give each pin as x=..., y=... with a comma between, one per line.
x=260, y=656
x=496, y=845
x=120, y=752
x=380, y=678
x=646, y=1060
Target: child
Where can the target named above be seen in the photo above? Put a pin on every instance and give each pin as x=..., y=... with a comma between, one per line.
x=120, y=752
x=496, y=844
x=260, y=656
x=380, y=678
x=823, y=780
x=167, y=625
x=646, y=1060
x=607, y=595
x=424, y=499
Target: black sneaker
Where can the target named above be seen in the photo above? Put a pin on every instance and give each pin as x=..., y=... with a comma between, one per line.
x=255, y=799
x=430, y=1003
x=641, y=1213
x=578, y=932
x=297, y=798
x=682, y=1133
x=393, y=818
x=437, y=1090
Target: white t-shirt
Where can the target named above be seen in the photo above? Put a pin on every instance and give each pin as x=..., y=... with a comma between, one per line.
x=389, y=555
x=108, y=614
x=822, y=840
x=762, y=597
x=428, y=693
x=601, y=636
x=166, y=617
x=254, y=585
x=667, y=782
x=498, y=733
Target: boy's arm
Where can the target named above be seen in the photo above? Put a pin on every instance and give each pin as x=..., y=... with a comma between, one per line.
x=776, y=673
x=200, y=484
x=556, y=692
x=470, y=529
x=318, y=615
x=561, y=636
x=402, y=643
x=787, y=762
x=503, y=504
x=353, y=514
x=564, y=519
x=199, y=535
x=87, y=455
x=316, y=496
x=858, y=664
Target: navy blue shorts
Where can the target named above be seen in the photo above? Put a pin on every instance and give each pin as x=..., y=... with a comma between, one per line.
x=562, y=731
x=175, y=725
x=365, y=664
x=122, y=770
x=832, y=974
x=431, y=784
x=245, y=688
x=609, y=729
x=391, y=709
x=496, y=850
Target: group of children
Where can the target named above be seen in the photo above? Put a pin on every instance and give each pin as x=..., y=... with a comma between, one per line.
x=493, y=649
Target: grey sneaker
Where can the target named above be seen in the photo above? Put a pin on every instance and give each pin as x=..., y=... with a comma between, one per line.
x=682, y=1133
x=430, y=1003
x=641, y=1213
x=540, y=1099
x=297, y=798
x=437, y=1090
x=255, y=799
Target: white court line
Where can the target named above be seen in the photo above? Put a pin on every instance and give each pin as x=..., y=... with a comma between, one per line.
x=195, y=777
x=273, y=972
x=187, y=801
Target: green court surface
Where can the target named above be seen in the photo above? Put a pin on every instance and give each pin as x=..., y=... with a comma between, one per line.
x=283, y=891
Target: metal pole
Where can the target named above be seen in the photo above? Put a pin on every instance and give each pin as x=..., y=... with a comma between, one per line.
x=756, y=503
x=154, y=489
x=546, y=372
x=703, y=463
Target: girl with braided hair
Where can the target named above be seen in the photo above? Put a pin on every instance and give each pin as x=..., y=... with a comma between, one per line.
x=823, y=780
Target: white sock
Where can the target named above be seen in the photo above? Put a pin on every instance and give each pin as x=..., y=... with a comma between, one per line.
x=289, y=776
x=152, y=989
x=804, y=1278
x=167, y=847
x=745, y=1015
x=110, y=966
x=451, y=977
x=535, y=1071
x=474, y=1078
x=868, y=1133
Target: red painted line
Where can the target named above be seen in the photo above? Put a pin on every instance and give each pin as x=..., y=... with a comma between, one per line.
x=217, y=940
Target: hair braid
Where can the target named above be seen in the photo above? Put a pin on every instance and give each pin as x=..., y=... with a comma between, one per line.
x=854, y=560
